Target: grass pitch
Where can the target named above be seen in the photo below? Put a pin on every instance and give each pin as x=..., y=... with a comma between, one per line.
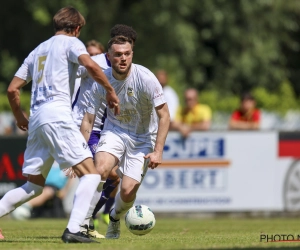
x=176, y=233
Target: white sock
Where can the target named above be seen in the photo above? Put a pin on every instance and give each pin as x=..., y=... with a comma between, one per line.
x=120, y=208
x=16, y=197
x=82, y=200
x=94, y=202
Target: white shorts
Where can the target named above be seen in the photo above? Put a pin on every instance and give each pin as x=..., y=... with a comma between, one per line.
x=129, y=152
x=59, y=141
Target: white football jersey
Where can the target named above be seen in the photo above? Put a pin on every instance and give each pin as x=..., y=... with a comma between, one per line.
x=172, y=101
x=139, y=94
x=52, y=67
x=83, y=95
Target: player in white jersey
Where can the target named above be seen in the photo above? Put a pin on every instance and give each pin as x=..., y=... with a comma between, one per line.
x=79, y=109
x=52, y=133
x=134, y=139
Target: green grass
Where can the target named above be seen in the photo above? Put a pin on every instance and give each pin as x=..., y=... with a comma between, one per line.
x=177, y=233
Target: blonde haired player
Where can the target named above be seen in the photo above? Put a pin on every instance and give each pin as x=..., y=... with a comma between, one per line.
x=52, y=133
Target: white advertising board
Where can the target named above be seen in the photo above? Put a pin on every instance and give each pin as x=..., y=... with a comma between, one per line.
x=211, y=171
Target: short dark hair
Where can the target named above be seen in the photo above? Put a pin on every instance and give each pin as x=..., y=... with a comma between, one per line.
x=247, y=96
x=123, y=30
x=119, y=40
x=68, y=19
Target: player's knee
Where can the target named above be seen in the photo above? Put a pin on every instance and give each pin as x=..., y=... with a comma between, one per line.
x=128, y=194
x=33, y=189
x=103, y=172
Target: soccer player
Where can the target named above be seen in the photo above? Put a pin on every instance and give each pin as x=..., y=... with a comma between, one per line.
x=79, y=109
x=94, y=48
x=133, y=140
x=52, y=133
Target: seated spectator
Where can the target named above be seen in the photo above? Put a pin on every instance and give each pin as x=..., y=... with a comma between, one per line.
x=169, y=93
x=247, y=117
x=193, y=116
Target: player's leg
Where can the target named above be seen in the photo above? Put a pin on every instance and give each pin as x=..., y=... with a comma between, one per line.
x=24, y=211
x=104, y=164
x=133, y=168
x=109, y=187
x=70, y=150
x=109, y=150
x=37, y=163
x=88, y=225
x=16, y=197
x=88, y=182
x=109, y=203
x=123, y=202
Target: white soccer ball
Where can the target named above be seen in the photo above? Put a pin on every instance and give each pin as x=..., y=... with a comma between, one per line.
x=139, y=220
x=21, y=213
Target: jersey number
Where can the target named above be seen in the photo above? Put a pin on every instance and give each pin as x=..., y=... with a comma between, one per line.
x=41, y=65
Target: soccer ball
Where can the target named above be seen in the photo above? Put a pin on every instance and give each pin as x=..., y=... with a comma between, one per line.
x=139, y=220
x=21, y=213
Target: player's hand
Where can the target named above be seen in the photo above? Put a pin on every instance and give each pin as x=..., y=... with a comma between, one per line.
x=69, y=172
x=113, y=102
x=22, y=123
x=155, y=159
x=185, y=131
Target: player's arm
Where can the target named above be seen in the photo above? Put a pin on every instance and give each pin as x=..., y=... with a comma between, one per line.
x=97, y=74
x=163, y=114
x=87, y=124
x=13, y=94
x=204, y=125
x=95, y=97
x=243, y=125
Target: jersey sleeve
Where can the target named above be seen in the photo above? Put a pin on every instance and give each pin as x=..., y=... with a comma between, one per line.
x=26, y=70
x=97, y=97
x=154, y=91
x=81, y=72
x=99, y=59
x=77, y=49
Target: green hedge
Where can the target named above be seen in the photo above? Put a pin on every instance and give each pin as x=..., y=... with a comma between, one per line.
x=25, y=102
x=279, y=101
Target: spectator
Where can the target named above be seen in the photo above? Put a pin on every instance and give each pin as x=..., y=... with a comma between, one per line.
x=193, y=116
x=169, y=93
x=247, y=117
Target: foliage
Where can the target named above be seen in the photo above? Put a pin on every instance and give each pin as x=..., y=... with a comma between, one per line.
x=213, y=45
x=25, y=102
x=279, y=101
